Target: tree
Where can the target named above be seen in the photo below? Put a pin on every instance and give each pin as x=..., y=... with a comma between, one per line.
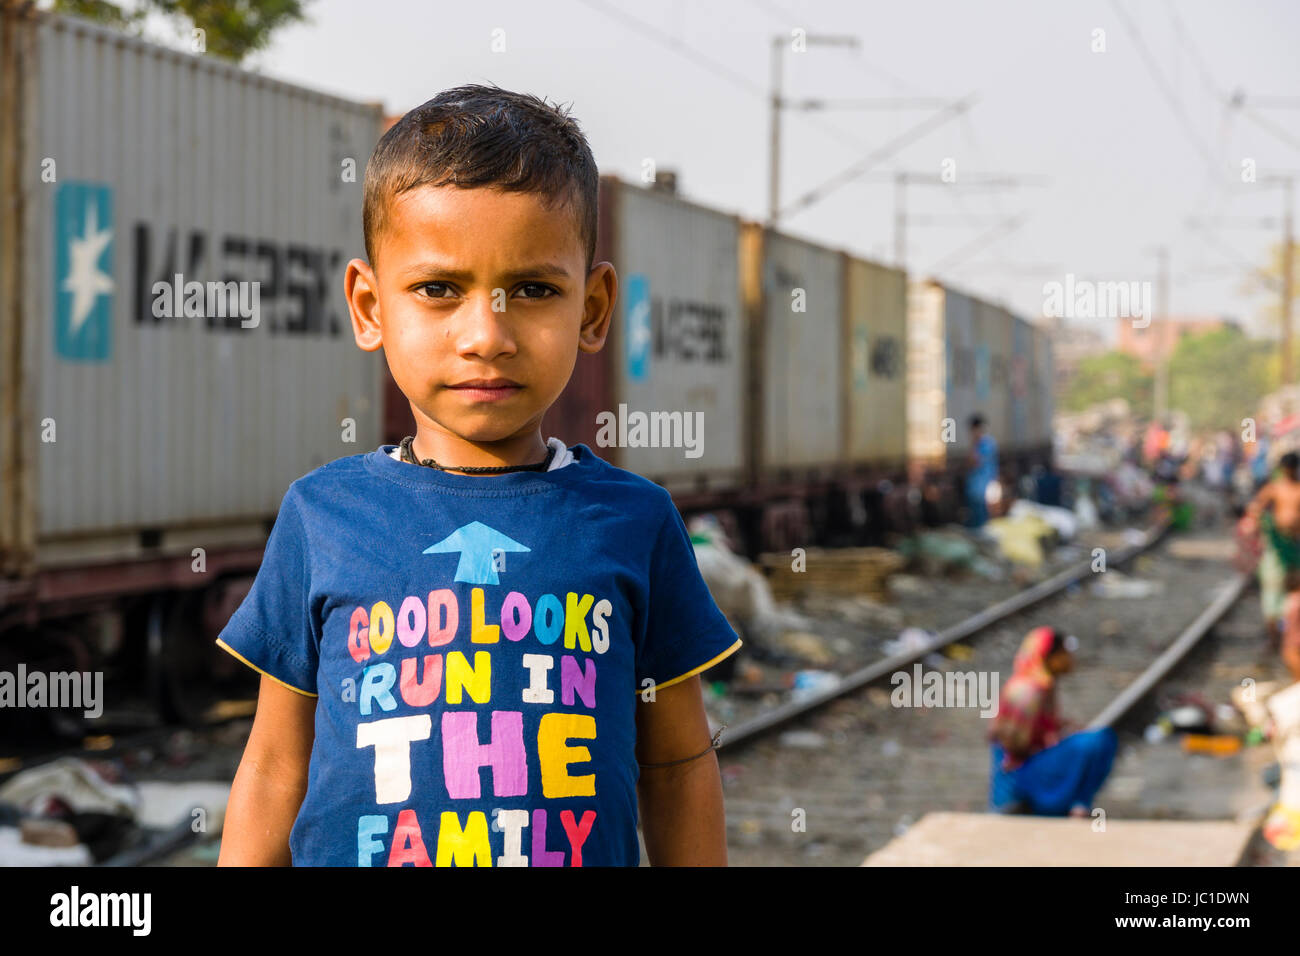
x=1218, y=377
x=232, y=29
x=1269, y=282
x=1100, y=378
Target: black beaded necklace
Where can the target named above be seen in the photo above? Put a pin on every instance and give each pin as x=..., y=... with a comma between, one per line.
x=408, y=455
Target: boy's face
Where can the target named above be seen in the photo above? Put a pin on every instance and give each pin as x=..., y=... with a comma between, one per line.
x=481, y=300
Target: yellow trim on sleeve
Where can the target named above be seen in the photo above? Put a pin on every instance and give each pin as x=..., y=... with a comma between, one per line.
x=222, y=644
x=691, y=673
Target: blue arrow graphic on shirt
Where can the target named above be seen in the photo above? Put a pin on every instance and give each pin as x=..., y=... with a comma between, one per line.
x=476, y=543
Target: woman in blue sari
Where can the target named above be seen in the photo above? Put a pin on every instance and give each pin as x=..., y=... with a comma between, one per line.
x=1034, y=769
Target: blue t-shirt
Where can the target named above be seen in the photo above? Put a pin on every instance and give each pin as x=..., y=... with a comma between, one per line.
x=987, y=469
x=479, y=647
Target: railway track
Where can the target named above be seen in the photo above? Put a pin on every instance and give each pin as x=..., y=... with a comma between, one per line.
x=831, y=778
x=756, y=727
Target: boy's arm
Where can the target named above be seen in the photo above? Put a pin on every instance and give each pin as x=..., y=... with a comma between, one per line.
x=1250, y=519
x=682, y=818
x=271, y=781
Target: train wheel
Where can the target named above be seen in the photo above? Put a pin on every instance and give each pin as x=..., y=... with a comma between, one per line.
x=181, y=659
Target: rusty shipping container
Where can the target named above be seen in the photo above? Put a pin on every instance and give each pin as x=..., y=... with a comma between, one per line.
x=665, y=397
x=147, y=413
x=875, y=357
x=795, y=299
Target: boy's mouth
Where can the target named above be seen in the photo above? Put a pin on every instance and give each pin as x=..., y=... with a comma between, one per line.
x=486, y=389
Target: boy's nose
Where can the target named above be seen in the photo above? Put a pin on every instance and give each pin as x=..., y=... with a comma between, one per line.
x=482, y=332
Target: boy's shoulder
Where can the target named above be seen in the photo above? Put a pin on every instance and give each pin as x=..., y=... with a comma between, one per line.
x=341, y=471
x=605, y=471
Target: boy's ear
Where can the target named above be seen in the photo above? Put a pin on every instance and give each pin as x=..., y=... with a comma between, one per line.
x=598, y=308
x=362, y=291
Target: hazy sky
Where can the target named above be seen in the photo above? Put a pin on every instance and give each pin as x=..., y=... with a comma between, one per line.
x=1129, y=143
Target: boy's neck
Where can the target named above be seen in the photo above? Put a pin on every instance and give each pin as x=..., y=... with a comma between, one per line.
x=451, y=451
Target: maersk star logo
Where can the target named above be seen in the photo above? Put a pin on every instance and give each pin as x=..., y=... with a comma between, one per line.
x=83, y=271
x=480, y=549
x=637, y=299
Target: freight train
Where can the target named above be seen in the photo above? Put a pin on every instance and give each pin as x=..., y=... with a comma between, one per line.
x=804, y=395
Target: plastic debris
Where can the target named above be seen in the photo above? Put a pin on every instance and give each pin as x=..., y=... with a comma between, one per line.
x=909, y=641
x=80, y=785
x=1215, y=745
x=740, y=591
x=1020, y=538
x=1156, y=732
x=803, y=739
x=37, y=832
x=1117, y=584
x=808, y=683
x=1062, y=520
x=1085, y=512
x=1134, y=536
x=163, y=804
x=806, y=646
x=938, y=552
x=1189, y=717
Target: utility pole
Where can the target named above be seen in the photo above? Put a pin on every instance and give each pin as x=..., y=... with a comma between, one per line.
x=775, y=105
x=774, y=144
x=1163, y=331
x=945, y=110
x=900, y=219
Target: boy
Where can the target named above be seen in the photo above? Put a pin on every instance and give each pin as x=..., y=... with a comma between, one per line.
x=469, y=643
x=1276, y=509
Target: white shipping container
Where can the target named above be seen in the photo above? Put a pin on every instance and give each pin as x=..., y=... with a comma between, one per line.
x=800, y=367
x=126, y=166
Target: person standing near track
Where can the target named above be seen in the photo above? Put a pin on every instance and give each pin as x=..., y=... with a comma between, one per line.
x=983, y=462
x=1276, y=512
x=1034, y=768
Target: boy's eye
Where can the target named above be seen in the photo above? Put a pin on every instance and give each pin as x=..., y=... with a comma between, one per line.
x=539, y=291
x=437, y=287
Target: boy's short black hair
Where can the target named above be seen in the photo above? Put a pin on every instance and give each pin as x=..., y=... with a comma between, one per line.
x=976, y=420
x=476, y=136
x=1290, y=461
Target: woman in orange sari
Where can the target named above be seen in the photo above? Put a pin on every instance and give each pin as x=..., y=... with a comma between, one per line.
x=1035, y=768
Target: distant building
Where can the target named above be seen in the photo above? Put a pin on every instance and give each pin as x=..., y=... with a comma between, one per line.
x=1158, y=340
